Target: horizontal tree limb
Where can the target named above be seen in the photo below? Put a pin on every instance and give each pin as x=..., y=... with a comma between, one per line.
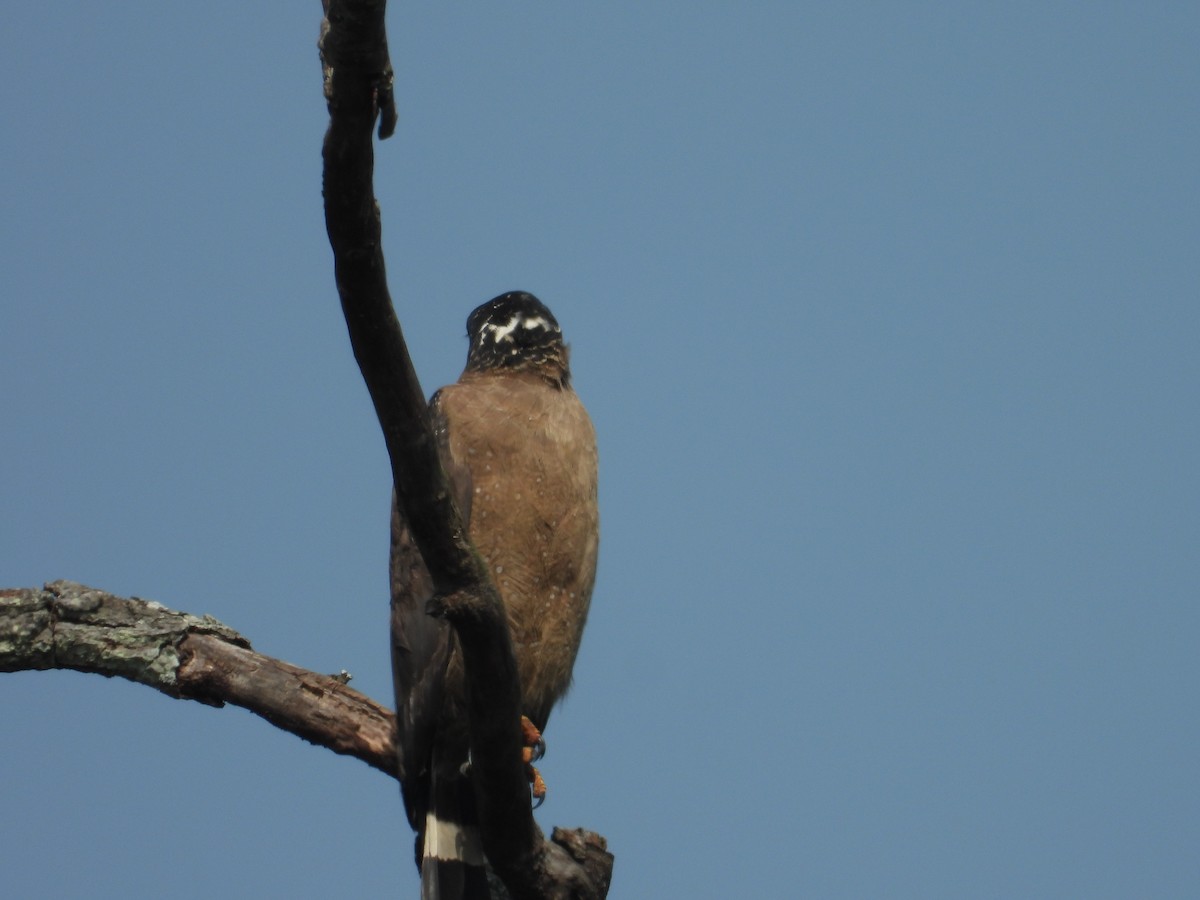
x=71, y=626
x=66, y=625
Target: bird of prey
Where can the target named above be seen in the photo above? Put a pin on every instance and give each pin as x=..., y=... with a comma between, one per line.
x=520, y=453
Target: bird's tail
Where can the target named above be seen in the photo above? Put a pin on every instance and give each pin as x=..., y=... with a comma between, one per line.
x=452, y=861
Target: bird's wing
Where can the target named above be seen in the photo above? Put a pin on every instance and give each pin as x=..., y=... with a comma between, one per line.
x=420, y=643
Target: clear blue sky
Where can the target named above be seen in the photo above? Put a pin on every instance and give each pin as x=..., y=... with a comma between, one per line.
x=887, y=315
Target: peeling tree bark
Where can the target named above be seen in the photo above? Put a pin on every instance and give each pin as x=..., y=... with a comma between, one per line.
x=71, y=626
x=66, y=625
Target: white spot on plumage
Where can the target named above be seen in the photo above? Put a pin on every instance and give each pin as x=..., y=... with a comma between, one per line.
x=502, y=333
x=538, y=322
x=449, y=840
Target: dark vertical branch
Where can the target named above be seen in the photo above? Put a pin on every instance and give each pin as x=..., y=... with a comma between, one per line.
x=358, y=76
x=358, y=88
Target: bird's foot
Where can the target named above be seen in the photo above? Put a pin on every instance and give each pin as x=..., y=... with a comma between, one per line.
x=537, y=786
x=532, y=748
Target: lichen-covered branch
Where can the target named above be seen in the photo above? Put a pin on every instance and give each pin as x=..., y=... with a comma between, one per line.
x=66, y=625
x=71, y=626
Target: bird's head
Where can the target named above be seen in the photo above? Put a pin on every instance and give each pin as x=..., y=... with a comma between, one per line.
x=516, y=331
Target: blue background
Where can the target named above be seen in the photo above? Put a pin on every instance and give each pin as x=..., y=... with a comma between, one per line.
x=887, y=318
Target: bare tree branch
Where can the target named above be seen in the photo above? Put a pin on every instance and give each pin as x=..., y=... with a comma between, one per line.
x=358, y=88
x=66, y=625
x=70, y=626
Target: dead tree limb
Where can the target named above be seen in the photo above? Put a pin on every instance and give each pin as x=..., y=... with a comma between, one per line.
x=71, y=626
x=358, y=89
x=66, y=625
